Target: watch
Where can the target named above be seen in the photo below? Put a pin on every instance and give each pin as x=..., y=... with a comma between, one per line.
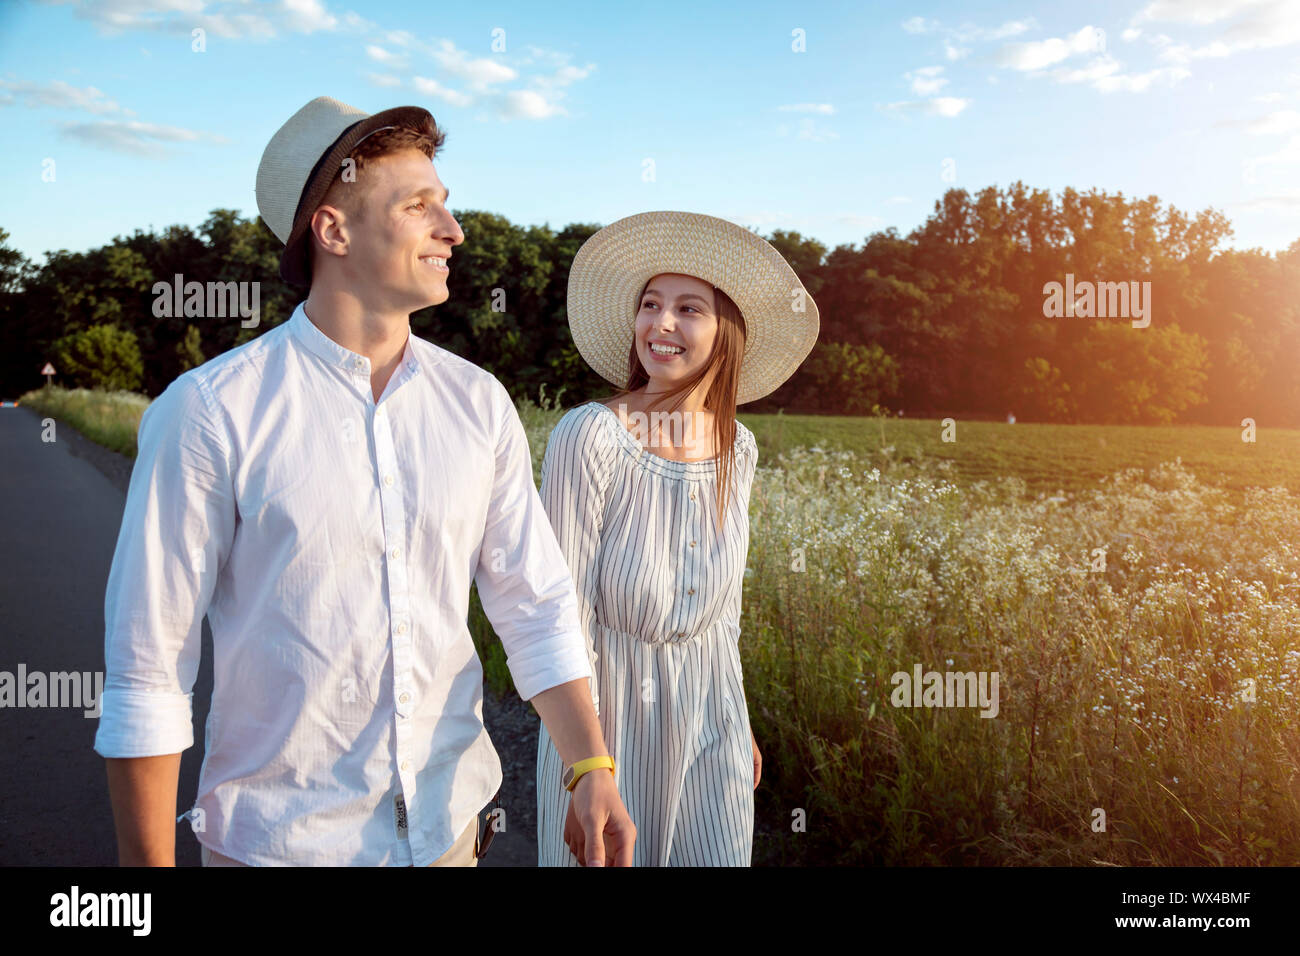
x=573, y=774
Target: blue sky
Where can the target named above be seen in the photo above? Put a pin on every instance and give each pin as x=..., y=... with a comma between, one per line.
x=884, y=108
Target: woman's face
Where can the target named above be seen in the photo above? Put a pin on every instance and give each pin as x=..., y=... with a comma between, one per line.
x=676, y=312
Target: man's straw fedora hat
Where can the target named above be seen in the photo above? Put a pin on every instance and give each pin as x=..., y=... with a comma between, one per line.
x=300, y=162
x=612, y=267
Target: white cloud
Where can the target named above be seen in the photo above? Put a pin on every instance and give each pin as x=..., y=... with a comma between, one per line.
x=1193, y=11
x=1103, y=74
x=380, y=55
x=1274, y=124
x=1102, y=66
x=383, y=79
x=919, y=25
x=948, y=106
x=1141, y=82
x=1285, y=200
x=433, y=88
x=1037, y=54
x=477, y=72
x=63, y=96
x=256, y=22
x=562, y=77
x=926, y=81
x=824, y=108
x=525, y=104
x=306, y=16
x=1288, y=155
x=1009, y=29
x=954, y=52
x=134, y=137
x=853, y=219
x=1256, y=25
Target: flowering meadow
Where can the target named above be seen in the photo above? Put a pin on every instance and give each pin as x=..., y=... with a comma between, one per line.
x=1145, y=633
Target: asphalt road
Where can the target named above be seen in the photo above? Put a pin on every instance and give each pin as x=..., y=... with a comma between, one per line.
x=60, y=509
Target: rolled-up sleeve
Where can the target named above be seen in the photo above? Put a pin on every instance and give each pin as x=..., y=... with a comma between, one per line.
x=177, y=529
x=523, y=584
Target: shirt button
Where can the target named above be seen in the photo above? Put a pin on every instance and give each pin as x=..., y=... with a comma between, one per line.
x=401, y=628
x=406, y=765
x=404, y=698
x=388, y=479
x=692, y=496
x=397, y=552
x=681, y=633
x=691, y=591
x=692, y=544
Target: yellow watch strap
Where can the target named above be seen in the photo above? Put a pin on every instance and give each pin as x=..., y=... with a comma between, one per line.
x=591, y=763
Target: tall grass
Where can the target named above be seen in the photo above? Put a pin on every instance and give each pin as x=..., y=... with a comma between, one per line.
x=111, y=419
x=1125, y=690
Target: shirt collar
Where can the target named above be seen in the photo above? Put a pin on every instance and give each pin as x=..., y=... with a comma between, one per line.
x=320, y=344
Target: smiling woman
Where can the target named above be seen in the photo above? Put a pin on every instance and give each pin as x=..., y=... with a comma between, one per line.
x=667, y=305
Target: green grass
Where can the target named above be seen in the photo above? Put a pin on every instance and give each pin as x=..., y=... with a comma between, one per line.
x=111, y=419
x=1048, y=458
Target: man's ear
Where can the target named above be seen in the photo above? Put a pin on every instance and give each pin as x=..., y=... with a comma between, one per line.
x=329, y=227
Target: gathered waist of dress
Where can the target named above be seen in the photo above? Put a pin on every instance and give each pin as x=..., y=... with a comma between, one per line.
x=674, y=637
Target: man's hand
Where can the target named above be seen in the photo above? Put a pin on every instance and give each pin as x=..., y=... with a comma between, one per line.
x=758, y=758
x=596, y=821
x=597, y=829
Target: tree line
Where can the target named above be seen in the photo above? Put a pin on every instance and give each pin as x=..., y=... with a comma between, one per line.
x=963, y=316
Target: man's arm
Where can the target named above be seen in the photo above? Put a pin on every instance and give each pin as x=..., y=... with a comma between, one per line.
x=176, y=534
x=143, y=791
x=571, y=721
x=528, y=595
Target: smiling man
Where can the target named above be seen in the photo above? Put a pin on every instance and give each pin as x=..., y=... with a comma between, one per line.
x=326, y=494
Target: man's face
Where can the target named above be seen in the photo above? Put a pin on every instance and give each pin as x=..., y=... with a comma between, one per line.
x=397, y=249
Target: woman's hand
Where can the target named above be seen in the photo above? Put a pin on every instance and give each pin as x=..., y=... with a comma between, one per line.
x=758, y=758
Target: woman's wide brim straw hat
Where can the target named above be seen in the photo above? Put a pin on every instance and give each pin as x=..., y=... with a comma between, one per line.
x=300, y=162
x=613, y=266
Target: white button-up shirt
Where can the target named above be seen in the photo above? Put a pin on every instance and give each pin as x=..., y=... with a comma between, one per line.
x=331, y=540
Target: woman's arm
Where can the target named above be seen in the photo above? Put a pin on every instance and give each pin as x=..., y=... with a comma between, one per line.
x=576, y=471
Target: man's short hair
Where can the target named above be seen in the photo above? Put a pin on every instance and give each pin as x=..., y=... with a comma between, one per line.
x=351, y=196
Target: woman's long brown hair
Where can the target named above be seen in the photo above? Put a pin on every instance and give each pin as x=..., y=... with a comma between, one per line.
x=720, y=399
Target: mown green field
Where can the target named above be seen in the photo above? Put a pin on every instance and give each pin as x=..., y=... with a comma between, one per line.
x=1049, y=458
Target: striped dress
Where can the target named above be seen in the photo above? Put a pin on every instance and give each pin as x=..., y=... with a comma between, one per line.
x=659, y=594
